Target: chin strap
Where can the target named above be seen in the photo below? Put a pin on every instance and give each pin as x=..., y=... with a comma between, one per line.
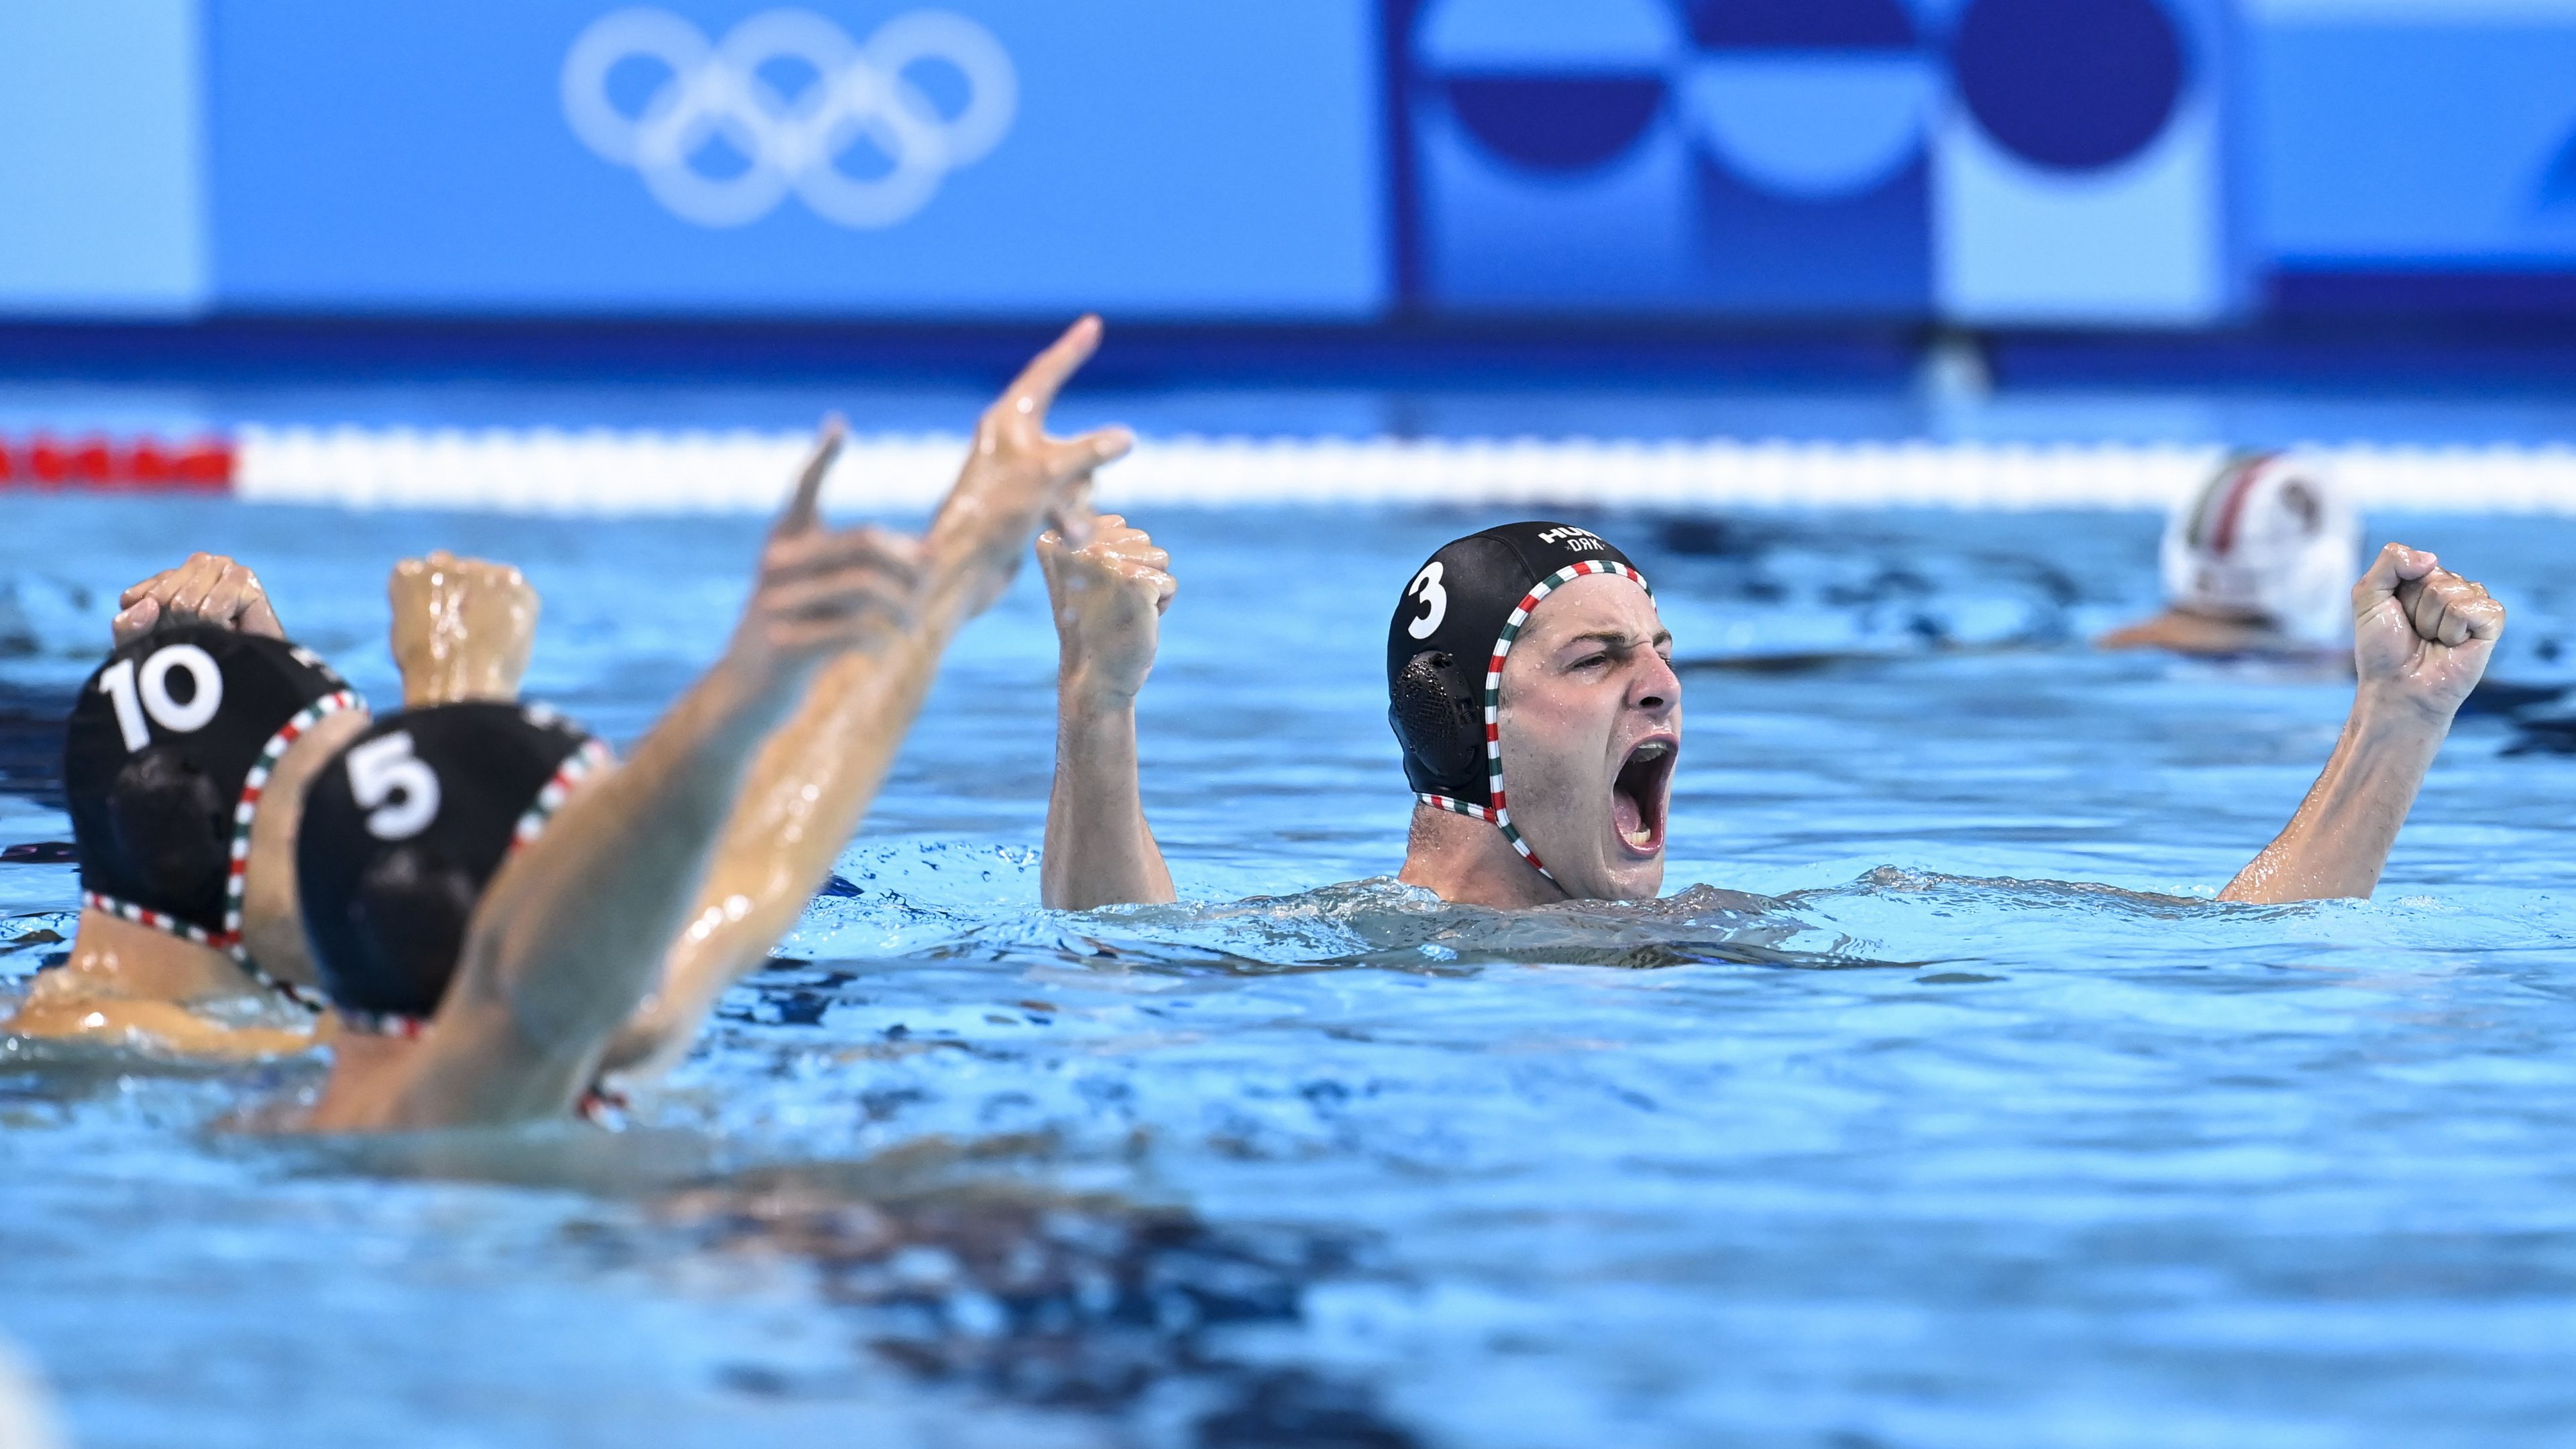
x=1456, y=806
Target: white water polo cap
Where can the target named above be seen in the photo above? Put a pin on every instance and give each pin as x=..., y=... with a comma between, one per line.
x=2270, y=537
x=1453, y=628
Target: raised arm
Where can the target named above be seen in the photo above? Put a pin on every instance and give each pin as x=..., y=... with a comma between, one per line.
x=2422, y=637
x=1108, y=596
x=462, y=630
x=818, y=774
x=572, y=931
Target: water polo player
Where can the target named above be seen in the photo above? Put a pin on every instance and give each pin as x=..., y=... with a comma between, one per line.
x=1529, y=685
x=2259, y=561
x=187, y=757
x=490, y=901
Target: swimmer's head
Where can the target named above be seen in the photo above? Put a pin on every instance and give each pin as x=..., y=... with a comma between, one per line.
x=167, y=759
x=404, y=830
x=1530, y=686
x=2267, y=541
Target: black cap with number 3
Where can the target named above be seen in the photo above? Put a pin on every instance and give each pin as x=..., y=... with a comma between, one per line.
x=404, y=829
x=1454, y=617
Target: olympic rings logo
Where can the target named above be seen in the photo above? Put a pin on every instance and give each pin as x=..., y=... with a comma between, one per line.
x=789, y=138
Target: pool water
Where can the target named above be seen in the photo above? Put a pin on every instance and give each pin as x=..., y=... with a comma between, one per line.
x=1890, y=1127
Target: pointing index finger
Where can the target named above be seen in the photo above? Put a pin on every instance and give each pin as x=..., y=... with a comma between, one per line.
x=1034, y=390
x=805, y=504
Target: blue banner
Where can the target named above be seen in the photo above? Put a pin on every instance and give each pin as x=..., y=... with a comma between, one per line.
x=1986, y=163
x=1994, y=162
x=961, y=158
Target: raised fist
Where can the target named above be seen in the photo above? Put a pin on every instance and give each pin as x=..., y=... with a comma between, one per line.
x=2422, y=635
x=462, y=628
x=208, y=589
x=1109, y=596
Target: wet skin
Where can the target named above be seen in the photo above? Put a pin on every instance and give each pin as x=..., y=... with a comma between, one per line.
x=1591, y=727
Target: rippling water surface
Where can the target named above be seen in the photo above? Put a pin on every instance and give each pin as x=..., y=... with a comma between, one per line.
x=1892, y=1126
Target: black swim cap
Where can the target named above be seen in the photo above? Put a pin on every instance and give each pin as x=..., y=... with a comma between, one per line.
x=1445, y=650
x=402, y=832
x=167, y=751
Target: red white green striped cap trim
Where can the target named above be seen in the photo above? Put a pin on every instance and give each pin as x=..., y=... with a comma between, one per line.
x=598, y=1106
x=229, y=939
x=580, y=763
x=1499, y=811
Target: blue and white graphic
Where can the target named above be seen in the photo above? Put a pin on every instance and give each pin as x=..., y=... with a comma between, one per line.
x=959, y=158
x=1819, y=100
x=1758, y=156
x=720, y=102
x=100, y=179
x=2027, y=161
x=1549, y=173
x=2083, y=174
x=2418, y=135
x=1809, y=119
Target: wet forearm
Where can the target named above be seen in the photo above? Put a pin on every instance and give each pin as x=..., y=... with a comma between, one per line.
x=804, y=798
x=2338, y=842
x=1099, y=850
x=575, y=926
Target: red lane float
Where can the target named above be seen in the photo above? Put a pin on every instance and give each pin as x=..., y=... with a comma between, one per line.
x=142, y=463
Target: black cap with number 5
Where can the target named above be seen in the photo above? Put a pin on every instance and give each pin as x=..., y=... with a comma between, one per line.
x=404, y=829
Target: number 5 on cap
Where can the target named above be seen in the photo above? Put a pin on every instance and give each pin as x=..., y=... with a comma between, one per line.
x=381, y=769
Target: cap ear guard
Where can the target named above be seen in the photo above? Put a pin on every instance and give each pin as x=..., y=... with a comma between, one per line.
x=170, y=824
x=1437, y=715
x=407, y=921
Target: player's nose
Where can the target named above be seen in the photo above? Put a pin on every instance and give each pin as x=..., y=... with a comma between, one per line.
x=1655, y=688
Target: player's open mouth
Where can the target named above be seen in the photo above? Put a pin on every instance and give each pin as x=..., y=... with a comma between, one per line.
x=1637, y=795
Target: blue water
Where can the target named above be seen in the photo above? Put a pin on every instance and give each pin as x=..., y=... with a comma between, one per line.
x=1880, y=1134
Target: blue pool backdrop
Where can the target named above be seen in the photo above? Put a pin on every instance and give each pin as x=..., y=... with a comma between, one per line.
x=1991, y=163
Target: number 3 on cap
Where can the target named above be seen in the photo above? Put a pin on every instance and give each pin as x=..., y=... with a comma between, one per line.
x=1435, y=600
x=381, y=769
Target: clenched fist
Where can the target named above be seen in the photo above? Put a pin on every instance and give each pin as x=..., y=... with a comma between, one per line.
x=1109, y=596
x=2422, y=635
x=463, y=628
x=208, y=589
